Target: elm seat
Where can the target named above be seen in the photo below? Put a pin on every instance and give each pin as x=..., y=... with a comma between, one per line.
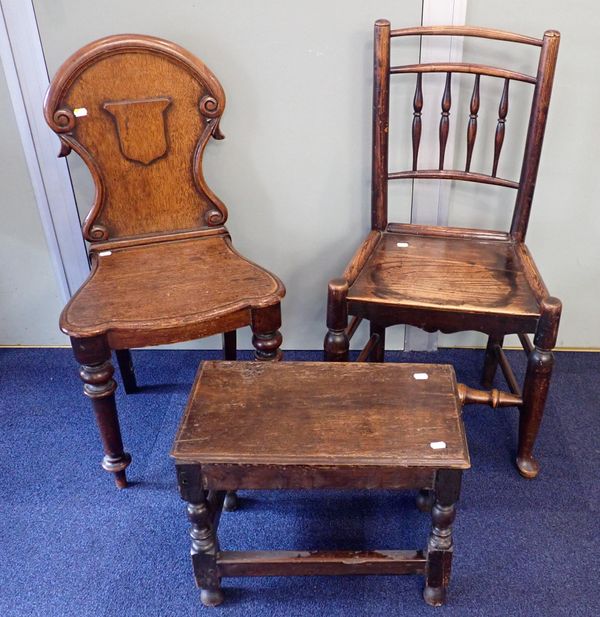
x=483, y=277
x=203, y=286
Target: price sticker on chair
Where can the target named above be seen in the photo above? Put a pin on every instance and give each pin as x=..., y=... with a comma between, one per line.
x=402, y=245
x=421, y=376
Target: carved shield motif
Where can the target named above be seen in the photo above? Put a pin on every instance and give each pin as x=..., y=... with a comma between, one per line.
x=141, y=128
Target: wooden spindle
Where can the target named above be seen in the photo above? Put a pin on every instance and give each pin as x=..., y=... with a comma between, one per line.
x=500, y=127
x=472, y=126
x=445, y=120
x=416, y=125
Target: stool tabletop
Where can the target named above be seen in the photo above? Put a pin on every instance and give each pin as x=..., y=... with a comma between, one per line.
x=323, y=413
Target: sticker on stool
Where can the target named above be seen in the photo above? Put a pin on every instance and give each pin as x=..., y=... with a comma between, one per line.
x=437, y=445
x=402, y=245
x=420, y=376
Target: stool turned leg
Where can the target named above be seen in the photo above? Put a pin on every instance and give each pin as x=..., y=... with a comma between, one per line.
x=127, y=371
x=490, y=363
x=205, y=546
x=230, y=353
x=266, y=337
x=440, y=547
x=99, y=387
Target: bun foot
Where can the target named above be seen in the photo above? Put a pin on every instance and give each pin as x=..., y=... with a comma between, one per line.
x=211, y=597
x=434, y=596
x=528, y=466
x=231, y=502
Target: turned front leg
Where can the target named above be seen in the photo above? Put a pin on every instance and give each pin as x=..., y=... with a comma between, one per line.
x=337, y=344
x=537, y=383
x=440, y=546
x=205, y=546
x=266, y=337
x=99, y=387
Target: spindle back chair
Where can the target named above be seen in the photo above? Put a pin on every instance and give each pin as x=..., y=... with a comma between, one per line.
x=448, y=278
x=140, y=111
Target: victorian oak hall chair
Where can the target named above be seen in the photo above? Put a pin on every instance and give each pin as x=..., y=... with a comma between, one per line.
x=140, y=111
x=448, y=278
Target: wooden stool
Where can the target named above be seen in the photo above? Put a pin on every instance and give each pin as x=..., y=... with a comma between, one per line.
x=312, y=425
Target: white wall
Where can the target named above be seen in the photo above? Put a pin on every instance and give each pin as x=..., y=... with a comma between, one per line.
x=29, y=295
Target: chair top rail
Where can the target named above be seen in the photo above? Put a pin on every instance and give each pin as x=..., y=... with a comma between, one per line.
x=461, y=67
x=451, y=174
x=484, y=33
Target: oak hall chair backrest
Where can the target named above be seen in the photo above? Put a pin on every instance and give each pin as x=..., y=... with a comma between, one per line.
x=139, y=111
x=542, y=84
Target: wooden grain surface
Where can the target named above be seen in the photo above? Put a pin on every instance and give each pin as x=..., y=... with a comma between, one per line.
x=167, y=284
x=139, y=111
x=470, y=274
x=312, y=413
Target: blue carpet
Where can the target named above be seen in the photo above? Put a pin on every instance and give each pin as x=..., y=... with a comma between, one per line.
x=71, y=544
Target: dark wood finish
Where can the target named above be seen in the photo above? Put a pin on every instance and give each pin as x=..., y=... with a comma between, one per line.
x=440, y=546
x=230, y=504
x=445, y=119
x=140, y=112
x=126, y=369
x=507, y=371
x=416, y=126
x=205, y=546
x=482, y=33
x=394, y=428
x=490, y=363
x=535, y=134
x=500, y=127
x=277, y=426
x=381, y=112
x=372, y=348
x=459, y=67
x=304, y=563
x=472, y=125
x=377, y=332
x=234, y=476
x=452, y=174
x=475, y=276
x=450, y=279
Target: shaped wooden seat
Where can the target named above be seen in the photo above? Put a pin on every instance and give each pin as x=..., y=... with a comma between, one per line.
x=140, y=112
x=180, y=288
x=454, y=279
x=449, y=275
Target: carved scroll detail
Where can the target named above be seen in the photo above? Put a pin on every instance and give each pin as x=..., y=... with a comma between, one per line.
x=209, y=106
x=63, y=120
